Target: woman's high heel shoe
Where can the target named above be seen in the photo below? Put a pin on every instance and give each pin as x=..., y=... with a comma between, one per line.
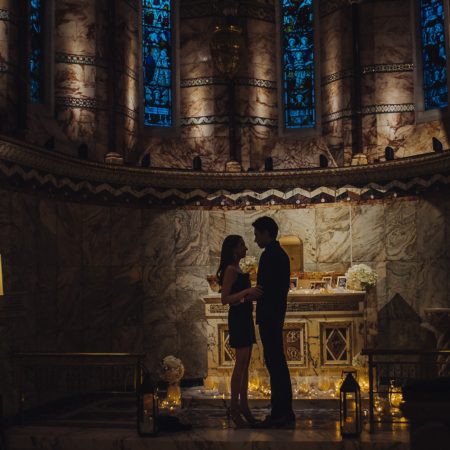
x=249, y=417
x=235, y=416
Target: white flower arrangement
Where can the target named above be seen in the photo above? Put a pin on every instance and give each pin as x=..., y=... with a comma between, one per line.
x=173, y=369
x=249, y=264
x=360, y=277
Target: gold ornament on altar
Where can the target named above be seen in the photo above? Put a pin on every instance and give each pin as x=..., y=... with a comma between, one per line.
x=172, y=373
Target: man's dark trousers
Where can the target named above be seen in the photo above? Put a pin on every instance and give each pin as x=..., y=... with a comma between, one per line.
x=271, y=334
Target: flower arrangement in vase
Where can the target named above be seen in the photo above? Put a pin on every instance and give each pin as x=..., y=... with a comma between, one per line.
x=172, y=373
x=361, y=277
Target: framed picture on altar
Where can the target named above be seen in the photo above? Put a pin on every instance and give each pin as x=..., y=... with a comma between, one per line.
x=293, y=283
x=341, y=282
x=318, y=285
x=328, y=280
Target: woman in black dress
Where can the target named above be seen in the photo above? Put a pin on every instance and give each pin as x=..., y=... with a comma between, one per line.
x=237, y=292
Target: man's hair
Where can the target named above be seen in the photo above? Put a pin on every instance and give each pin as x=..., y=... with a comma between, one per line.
x=266, y=223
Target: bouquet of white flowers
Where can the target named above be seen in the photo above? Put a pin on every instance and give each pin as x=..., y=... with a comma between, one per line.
x=173, y=369
x=360, y=277
x=360, y=361
x=248, y=264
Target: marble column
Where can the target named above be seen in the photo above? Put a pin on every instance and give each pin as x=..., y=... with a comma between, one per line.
x=76, y=72
x=13, y=41
x=126, y=67
x=337, y=77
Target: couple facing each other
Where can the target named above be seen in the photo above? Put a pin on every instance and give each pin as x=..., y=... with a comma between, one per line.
x=270, y=294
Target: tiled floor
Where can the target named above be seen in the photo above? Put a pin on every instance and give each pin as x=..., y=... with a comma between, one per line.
x=110, y=424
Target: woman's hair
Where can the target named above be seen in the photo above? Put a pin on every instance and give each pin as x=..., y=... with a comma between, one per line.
x=227, y=255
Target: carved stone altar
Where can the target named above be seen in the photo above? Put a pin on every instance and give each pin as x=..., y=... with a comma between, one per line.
x=323, y=332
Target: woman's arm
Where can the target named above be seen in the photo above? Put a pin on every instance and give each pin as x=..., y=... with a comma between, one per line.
x=229, y=277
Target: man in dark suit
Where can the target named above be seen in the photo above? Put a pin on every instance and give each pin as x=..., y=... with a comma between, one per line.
x=274, y=277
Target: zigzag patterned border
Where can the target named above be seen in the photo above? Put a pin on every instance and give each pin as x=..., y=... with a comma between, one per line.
x=365, y=70
x=69, y=58
x=370, y=109
x=218, y=120
x=385, y=109
x=105, y=192
x=384, y=68
x=241, y=81
x=73, y=102
x=31, y=168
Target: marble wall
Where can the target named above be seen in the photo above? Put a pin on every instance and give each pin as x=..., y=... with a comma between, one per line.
x=97, y=278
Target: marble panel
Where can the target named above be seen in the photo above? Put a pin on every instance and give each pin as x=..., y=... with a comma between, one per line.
x=126, y=235
x=326, y=266
x=71, y=294
x=288, y=154
x=336, y=96
x=19, y=279
x=73, y=26
x=386, y=53
x=214, y=152
x=202, y=131
x=72, y=341
x=260, y=46
x=301, y=223
x=216, y=236
x=369, y=135
x=46, y=314
x=333, y=234
x=195, y=53
x=396, y=87
x=191, y=238
x=158, y=237
x=256, y=101
x=69, y=234
x=126, y=295
x=160, y=339
x=159, y=290
x=368, y=233
x=420, y=136
x=46, y=232
x=261, y=141
x=395, y=129
x=430, y=230
x=24, y=224
x=207, y=100
x=401, y=239
x=96, y=235
x=335, y=40
x=97, y=339
x=401, y=278
x=432, y=289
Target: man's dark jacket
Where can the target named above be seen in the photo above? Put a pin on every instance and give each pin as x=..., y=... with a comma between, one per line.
x=273, y=276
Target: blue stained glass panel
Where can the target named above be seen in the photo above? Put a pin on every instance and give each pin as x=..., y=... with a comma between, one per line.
x=36, y=56
x=298, y=63
x=157, y=62
x=434, y=58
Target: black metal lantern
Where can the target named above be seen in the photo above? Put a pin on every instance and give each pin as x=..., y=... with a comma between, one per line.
x=147, y=406
x=350, y=407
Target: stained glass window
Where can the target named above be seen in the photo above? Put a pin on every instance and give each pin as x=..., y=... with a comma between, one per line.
x=433, y=54
x=298, y=63
x=157, y=62
x=36, y=55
